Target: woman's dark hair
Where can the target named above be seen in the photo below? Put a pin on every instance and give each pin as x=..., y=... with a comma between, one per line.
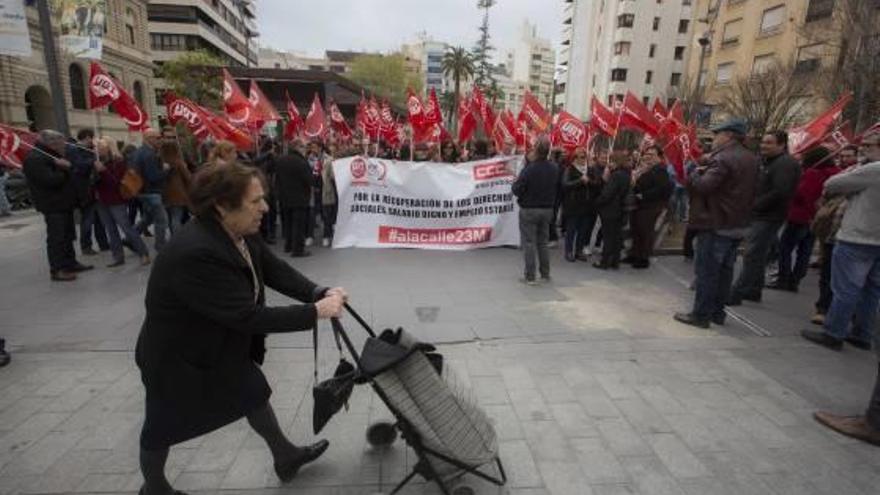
x=221, y=186
x=817, y=157
x=481, y=148
x=781, y=137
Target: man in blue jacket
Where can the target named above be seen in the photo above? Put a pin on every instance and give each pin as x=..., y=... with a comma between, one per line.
x=535, y=189
x=154, y=173
x=82, y=159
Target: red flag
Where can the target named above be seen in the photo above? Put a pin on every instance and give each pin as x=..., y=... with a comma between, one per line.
x=839, y=138
x=635, y=115
x=482, y=108
x=15, y=144
x=602, y=119
x=805, y=137
x=416, y=109
x=236, y=104
x=433, y=115
x=569, y=132
x=262, y=110
x=104, y=90
x=387, y=125
x=295, y=122
x=501, y=134
x=183, y=110
x=533, y=113
x=315, y=127
x=674, y=121
x=337, y=121
x=237, y=136
x=659, y=110
x=467, y=122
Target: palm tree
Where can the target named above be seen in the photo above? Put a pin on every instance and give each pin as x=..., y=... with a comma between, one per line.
x=459, y=65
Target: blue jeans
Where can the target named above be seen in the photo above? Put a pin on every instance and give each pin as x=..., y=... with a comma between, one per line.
x=5, y=207
x=153, y=212
x=176, y=214
x=534, y=230
x=115, y=218
x=795, y=237
x=762, y=237
x=576, y=234
x=678, y=204
x=88, y=223
x=713, y=265
x=855, y=282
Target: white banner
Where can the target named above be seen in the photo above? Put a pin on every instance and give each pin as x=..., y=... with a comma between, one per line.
x=83, y=23
x=15, y=40
x=425, y=205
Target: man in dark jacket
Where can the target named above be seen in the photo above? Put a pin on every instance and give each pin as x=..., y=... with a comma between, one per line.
x=777, y=183
x=294, y=181
x=536, y=189
x=611, y=212
x=155, y=174
x=54, y=195
x=82, y=159
x=653, y=187
x=721, y=190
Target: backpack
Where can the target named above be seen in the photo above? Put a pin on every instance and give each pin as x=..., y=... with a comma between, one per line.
x=131, y=184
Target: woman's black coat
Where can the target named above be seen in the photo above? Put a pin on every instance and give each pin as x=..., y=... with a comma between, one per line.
x=204, y=332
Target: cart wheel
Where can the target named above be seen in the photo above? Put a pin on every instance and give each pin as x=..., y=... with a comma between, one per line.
x=381, y=434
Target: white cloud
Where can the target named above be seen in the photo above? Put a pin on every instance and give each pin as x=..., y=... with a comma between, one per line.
x=382, y=25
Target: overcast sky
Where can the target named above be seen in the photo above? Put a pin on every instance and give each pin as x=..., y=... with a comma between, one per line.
x=382, y=25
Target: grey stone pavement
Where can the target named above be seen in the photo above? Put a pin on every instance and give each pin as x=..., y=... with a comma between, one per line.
x=593, y=388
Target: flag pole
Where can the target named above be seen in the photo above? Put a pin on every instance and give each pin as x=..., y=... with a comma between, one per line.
x=96, y=113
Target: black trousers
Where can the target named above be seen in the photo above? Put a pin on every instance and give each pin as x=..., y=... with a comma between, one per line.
x=825, y=294
x=641, y=225
x=294, y=222
x=60, y=236
x=612, y=240
x=689, y=236
x=270, y=220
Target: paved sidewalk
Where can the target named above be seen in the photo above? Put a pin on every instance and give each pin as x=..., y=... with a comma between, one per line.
x=594, y=389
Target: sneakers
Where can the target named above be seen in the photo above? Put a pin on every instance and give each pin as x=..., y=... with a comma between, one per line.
x=309, y=241
x=325, y=242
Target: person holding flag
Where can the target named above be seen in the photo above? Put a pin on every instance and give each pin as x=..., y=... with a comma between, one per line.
x=721, y=191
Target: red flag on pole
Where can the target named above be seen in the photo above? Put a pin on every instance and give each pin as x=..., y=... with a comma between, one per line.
x=316, y=126
x=179, y=109
x=661, y=113
x=240, y=138
x=602, y=118
x=337, y=121
x=236, y=104
x=635, y=115
x=262, y=110
x=569, y=132
x=416, y=109
x=295, y=122
x=104, y=90
x=839, y=138
x=533, y=113
x=387, y=125
x=433, y=115
x=804, y=137
x=484, y=110
x=467, y=122
x=15, y=144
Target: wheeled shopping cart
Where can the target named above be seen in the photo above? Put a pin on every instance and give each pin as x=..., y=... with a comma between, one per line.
x=434, y=411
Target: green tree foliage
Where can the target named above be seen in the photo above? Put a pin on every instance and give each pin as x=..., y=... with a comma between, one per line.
x=194, y=75
x=385, y=75
x=459, y=65
x=482, y=52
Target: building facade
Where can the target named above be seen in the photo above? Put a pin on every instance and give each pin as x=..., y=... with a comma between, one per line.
x=25, y=98
x=533, y=61
x=427, y=55
x=224, y=28
x=614, y=46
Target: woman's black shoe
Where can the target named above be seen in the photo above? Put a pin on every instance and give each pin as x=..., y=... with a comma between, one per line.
x=286, y=471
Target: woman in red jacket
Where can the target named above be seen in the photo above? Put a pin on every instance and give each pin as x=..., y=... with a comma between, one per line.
x=112, y=207
x=818, y=167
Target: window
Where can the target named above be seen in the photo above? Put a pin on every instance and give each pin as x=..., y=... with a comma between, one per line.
x=809, y=58
x=724, y=73
x=675, y=80
x=763, y=63
x=77, y=86
x=277, y=65
x=626, y=20
x=536, y=56
x=652, y=50
x=129, y=26
x=771, y=21
x=685, y=2
x=649, y=76
x=683, y=26
x=819, y=9
x=622, y=48
x=138, y=90
x=656, y=24
x=732, y=31
x=646, y=100
x=618, y=75
x=679, y=53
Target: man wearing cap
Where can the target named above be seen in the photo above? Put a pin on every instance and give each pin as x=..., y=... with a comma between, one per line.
x=721, y=190
x=777, y=184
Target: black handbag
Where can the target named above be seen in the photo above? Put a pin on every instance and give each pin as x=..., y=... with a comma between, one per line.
x=331, y=394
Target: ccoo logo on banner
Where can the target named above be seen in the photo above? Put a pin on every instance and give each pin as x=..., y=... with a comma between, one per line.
x=425, y=205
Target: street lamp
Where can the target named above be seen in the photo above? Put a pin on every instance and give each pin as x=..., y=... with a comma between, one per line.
x=704, y=42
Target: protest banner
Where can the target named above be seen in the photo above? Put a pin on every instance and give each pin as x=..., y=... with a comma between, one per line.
x=426, y=205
